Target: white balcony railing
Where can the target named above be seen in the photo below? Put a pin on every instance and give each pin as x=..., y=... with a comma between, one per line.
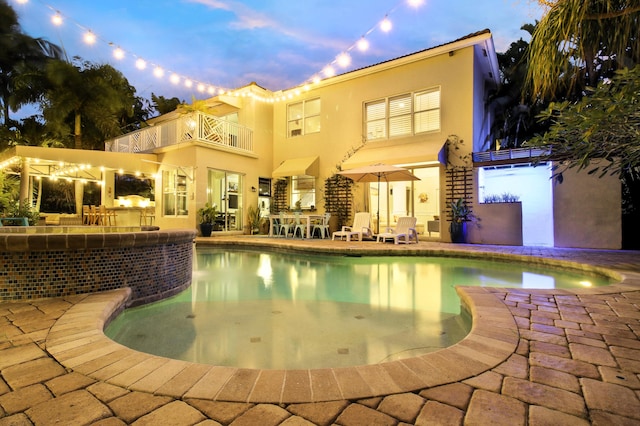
x=196, y=126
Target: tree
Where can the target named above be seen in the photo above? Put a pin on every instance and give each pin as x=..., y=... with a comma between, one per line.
x=86, y=98
x=22, y=61
x=603, y=125
x=577, y=42
x=164, y=105
x=514, y=111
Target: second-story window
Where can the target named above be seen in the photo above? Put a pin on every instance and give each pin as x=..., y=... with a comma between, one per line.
x=303, y=118
x=403, y=115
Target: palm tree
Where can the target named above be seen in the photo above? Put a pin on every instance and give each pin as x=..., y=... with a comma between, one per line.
x=579, y=41
x=22, y=60
x=86, y=98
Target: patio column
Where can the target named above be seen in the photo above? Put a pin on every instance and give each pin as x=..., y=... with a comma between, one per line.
x=24, y=184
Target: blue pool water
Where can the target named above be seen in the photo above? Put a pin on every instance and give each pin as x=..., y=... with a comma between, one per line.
x=283, y=311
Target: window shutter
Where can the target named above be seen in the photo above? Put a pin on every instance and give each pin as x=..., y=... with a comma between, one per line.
x=427, y=116
x=400, y=115
x=376, y=120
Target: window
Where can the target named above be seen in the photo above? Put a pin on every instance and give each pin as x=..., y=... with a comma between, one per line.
x=303, y=189
x=403, y=115
x=303, y=118
x=427, y=111
x=174, y=193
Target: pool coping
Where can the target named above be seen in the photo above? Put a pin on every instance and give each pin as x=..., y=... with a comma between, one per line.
x=77, y=341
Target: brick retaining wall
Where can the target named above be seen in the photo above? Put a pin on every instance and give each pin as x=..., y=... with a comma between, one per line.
x=154, y=264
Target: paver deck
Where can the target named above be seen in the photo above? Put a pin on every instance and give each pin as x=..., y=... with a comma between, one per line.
x=533, y=357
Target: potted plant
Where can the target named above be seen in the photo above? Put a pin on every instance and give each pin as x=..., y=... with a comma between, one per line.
x=207, y=216
x=254, y=219
x=460, y=215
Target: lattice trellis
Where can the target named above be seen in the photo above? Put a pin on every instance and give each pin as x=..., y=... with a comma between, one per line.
x=459, y=184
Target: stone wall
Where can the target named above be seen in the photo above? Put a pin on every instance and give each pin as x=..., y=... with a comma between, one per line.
x=154, y=264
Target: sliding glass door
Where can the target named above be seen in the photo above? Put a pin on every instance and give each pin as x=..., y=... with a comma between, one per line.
x=224, y=190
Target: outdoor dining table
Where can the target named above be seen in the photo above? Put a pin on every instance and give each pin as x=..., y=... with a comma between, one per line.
x=304, y=219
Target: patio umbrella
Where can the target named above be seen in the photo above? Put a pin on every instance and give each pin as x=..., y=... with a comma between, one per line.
x=377, y=173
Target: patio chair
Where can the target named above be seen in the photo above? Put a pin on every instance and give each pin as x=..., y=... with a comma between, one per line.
x=323, y=227
x=404, y=232
x=299, y=226
x=360, y=228
x=285, y=226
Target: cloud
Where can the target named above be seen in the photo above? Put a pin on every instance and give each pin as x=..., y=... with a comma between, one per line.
x=252, y=19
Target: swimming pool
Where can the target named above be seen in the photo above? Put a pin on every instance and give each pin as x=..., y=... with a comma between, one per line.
x=275, y=310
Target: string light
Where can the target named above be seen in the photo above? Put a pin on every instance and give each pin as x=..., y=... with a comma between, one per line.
x=89, y=37
x=141, y=64
x=386, y=25
x=343, y=60
x=363, y=44
x=118, y=53
x=56, y=19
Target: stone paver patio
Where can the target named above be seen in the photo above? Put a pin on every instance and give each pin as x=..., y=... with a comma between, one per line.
x=534, y=357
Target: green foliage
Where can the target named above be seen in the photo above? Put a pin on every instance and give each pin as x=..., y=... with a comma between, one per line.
x=9, y=189
x=501, y=198
x=23, y=210
x=338, y=198
x=460, y=211
x=207, y=214
x=603, y=125
x=163, y=105
x=577, y=42
x=22, y=59
x=86, y=103
x=253, y=213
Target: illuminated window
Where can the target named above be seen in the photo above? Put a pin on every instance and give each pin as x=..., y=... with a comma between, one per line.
x=403, y=115
x=426, y=117
x=303, y=118
x=174, y=193
x=303, y=189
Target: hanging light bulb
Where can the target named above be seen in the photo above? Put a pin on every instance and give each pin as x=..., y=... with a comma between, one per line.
x=328, y=71
x=188, y=83
x=200, y=87
x=363, y=44
x=415, y=3
x=23, y=1
x=56, y=19
x=386, y=25
x=118, y=53
x=89, y=37
x=141, y=64
x=175, y=78
x=316, y=79
x=158, y=72
x=344, y=60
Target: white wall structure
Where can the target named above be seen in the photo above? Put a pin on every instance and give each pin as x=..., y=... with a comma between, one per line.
x=534, y=187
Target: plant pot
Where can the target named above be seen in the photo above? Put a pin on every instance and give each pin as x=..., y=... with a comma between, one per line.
x=458, y=231
x=205, y=229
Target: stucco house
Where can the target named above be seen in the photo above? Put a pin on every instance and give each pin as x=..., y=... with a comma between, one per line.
x=428, y=111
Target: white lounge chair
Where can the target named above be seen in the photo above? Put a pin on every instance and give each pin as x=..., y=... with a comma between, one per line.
x=361, y=227
x=404, y=232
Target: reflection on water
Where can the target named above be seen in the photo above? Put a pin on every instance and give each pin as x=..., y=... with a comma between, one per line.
x=272, y=310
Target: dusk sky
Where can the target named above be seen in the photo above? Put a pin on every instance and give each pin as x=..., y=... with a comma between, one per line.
x=279, y=44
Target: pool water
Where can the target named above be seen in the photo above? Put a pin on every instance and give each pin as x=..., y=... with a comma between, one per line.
x=274, y=310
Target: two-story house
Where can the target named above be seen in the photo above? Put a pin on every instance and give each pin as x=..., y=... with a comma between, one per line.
x=428, y=111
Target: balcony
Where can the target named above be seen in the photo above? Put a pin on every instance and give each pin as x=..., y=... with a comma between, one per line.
x=193, y=127
x=508, y=156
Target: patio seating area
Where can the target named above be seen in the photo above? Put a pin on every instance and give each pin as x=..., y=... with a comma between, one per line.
x=556, y=357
